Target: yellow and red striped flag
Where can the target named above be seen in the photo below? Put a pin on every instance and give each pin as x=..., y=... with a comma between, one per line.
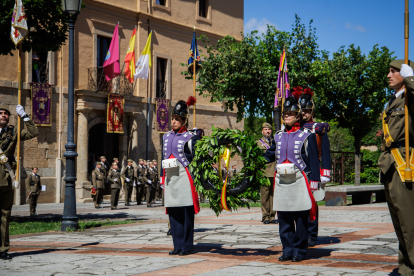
x=130, y=58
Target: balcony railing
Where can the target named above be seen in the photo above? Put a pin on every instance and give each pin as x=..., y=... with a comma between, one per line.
x=119, y=85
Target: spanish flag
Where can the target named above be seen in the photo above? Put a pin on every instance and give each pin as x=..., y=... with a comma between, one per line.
x=130, y=58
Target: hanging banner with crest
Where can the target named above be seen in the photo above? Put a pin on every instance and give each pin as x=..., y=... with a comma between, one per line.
x=41, y=104
x=162, y=114
x=115, y=114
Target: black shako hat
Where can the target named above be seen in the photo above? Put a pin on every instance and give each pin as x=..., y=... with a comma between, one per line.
x=292, y=102
x=181, y=107
x=306, y=101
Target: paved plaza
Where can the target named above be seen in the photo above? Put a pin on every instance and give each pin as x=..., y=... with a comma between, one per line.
x=354, y=240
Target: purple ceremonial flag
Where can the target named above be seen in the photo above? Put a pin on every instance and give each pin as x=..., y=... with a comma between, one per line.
x=41, y=104
x=283, y=85
x=163, y=117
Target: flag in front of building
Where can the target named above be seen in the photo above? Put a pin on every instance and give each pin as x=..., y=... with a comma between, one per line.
x=130, y=58
x=19, y=23
x=192, y=58
x=111, y=63
x=144, y=61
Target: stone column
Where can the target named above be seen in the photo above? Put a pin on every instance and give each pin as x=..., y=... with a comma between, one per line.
x=133, y=143
x=82, y=150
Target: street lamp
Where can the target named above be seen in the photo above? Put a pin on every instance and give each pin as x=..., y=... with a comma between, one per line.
x=70, y=219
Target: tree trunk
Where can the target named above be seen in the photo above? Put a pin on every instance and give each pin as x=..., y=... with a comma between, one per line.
x=357, y=144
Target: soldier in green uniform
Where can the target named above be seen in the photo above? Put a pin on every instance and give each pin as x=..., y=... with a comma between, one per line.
x=399, y=194
x=8, y=143
x=114, y=178
x=140, y=171
x=98, y=182
x=33, y=187
x=128, y=175
x=158, y=188
x=266, y=192
x=152, y=179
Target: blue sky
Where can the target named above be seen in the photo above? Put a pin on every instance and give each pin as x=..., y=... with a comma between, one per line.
x=363, y=23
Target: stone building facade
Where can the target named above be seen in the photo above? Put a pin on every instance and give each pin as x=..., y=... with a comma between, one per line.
x=171, y=23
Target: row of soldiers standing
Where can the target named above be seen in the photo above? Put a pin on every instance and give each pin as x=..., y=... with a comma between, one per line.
x=144, y=177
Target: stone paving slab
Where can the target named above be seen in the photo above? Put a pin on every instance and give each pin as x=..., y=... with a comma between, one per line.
x=352, y=241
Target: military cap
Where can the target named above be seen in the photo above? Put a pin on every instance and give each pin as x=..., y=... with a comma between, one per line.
x=141, y=159
x=115, y=158
x=398, y=62
x=114, y=164
x=151, y=163
x=130, y=160
x=102, y=157
x=154, y=161
x=98, y=163
x=267, y=125
x=5, y=109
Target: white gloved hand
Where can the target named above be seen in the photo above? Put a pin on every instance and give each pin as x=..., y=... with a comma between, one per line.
x=162, y=187
x=149, y=181
x=127, y=180
x=325, y=179
x=406, y=71
x=21, y=113
x=116, y=179
x=134, y=184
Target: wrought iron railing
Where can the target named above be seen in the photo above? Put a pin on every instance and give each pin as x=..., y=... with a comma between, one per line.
x=119, y=85
x=161, y=89
x=40, y=72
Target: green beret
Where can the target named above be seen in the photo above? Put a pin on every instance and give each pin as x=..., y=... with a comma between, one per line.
x=102, y=157
x=114, y=164
x=151, y=163
x=267, y=125
x=98, y=163
x=141, y=159
x=5, y=109
x=130, y=161
x=115, y=158
x=154, y=161
x=398, y=62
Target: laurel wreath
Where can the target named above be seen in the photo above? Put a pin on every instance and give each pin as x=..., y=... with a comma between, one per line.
x=245, y=185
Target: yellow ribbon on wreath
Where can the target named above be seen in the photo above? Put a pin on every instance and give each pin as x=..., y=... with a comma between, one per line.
x=226, y=158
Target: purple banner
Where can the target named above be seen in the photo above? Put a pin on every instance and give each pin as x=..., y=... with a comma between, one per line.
x=41, y=104
x=162, y=114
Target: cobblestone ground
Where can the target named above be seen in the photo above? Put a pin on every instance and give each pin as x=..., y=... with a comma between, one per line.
x=353, y=240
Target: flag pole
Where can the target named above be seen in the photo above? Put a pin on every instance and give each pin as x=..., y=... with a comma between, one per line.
x=194, y=81
x=19, y=102
x=407, y=171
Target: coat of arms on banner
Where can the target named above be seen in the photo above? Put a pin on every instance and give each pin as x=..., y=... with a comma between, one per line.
x=41, y=104
x=162, y=114
x=115, y=114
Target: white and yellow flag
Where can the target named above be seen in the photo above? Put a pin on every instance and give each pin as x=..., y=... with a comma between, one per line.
x=144, y=61
x=19, y=23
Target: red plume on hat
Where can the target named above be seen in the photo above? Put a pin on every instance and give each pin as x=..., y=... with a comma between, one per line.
x=297, y=91
x=191, y=101
x=308, y=91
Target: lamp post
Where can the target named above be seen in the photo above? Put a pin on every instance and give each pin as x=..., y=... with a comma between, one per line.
x=70, y=219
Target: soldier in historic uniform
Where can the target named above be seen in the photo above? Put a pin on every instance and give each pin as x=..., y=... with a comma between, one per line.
x=34, y=189
x=128, y=175
x=8, y=143
x=98, y=182
x=398, y=193
x=324, y=153
x=266, y=192
x=181, y=198
x=140, y=172
x=114, y=178
x=295, y=152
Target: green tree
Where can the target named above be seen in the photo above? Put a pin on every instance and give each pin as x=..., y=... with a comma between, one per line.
x=243, y=74
x=47, y=23
x=354, y=91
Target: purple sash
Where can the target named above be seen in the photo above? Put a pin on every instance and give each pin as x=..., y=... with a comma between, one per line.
x=264, y=144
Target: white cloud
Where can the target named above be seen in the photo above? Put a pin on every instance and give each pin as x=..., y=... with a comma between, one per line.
x=253, y=24
x=356, y=27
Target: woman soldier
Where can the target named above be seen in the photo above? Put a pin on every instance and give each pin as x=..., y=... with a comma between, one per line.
x=181, y=198
x=297, y=173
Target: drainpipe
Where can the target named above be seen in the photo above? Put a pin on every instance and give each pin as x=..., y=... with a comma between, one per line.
x=59, y=157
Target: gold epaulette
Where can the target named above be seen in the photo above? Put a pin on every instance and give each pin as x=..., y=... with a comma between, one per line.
x=400, y=164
